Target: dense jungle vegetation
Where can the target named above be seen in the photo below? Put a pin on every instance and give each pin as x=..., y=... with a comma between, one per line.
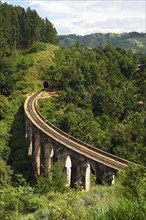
x=101, y=101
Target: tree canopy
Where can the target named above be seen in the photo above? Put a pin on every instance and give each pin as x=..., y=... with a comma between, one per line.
x=22, y=28
x=101, y=101
x=103, y=98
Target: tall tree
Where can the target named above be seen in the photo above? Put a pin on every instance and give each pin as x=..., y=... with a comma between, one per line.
x=50, y=33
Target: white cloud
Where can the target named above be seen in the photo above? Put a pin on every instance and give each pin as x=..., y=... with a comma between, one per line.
x=82, y=17
x=113, y=25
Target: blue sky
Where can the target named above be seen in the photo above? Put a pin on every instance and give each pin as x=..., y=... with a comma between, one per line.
x=86, y=17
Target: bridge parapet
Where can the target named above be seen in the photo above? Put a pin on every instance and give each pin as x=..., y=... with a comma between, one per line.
x=48, y=144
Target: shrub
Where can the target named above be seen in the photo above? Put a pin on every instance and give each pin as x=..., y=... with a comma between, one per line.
x=55, y=182
x=133, y=180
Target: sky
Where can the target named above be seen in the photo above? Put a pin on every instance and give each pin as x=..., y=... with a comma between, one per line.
x=82, y=17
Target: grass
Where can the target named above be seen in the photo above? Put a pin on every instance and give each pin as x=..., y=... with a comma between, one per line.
x=76, y=205
x=30, y=65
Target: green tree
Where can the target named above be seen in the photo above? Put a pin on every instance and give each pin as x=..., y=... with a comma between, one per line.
x=49, y=32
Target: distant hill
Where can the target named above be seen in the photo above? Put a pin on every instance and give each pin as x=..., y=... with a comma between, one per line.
x=129, y=41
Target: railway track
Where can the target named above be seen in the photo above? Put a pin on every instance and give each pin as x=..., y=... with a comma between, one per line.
x=69, y=141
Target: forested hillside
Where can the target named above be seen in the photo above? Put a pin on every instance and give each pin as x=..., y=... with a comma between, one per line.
x=102, y=101
x=21, y=28
x=134, y=41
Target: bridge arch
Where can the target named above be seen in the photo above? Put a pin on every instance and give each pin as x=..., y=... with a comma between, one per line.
x=68, y=165
x=59, y=146
x=80, y=175
x=63, y=156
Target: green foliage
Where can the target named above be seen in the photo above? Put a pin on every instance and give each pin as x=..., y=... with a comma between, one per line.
x=5, y=173
x=21, y=28
x=4, y=105
x=133, y=180
x=18, y=200
x=54, y=181
x=100, y=203
x=43, y=185
x=133, y=41
x=36, y=47
x=128, y=210
x=4, y=136
x=21, y=76
x=50, y=111
x=101, y=101
x=74, y=205
x=132, y=203
x=7, y=77
x=18, y=180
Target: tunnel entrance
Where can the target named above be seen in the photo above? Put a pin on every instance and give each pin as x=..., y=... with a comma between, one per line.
x=45, y=84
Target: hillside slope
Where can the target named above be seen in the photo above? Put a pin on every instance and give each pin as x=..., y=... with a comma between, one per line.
x=129, y=41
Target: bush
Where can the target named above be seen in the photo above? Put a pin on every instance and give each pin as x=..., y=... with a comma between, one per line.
x=55, y=182
x=31, y=203
x=19, y=200
x=8, y=206
x=132, y=188
x=5, y=173
x=37, y=47
x=132, y=181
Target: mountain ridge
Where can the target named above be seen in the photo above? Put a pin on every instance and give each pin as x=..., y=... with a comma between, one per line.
x=132, y=41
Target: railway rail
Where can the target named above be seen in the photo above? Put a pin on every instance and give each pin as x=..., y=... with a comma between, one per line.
x=69, y=141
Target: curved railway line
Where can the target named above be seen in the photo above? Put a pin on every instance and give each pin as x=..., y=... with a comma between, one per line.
x=69, y=141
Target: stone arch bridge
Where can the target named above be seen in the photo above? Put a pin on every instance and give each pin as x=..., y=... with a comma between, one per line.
x=47, y=144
